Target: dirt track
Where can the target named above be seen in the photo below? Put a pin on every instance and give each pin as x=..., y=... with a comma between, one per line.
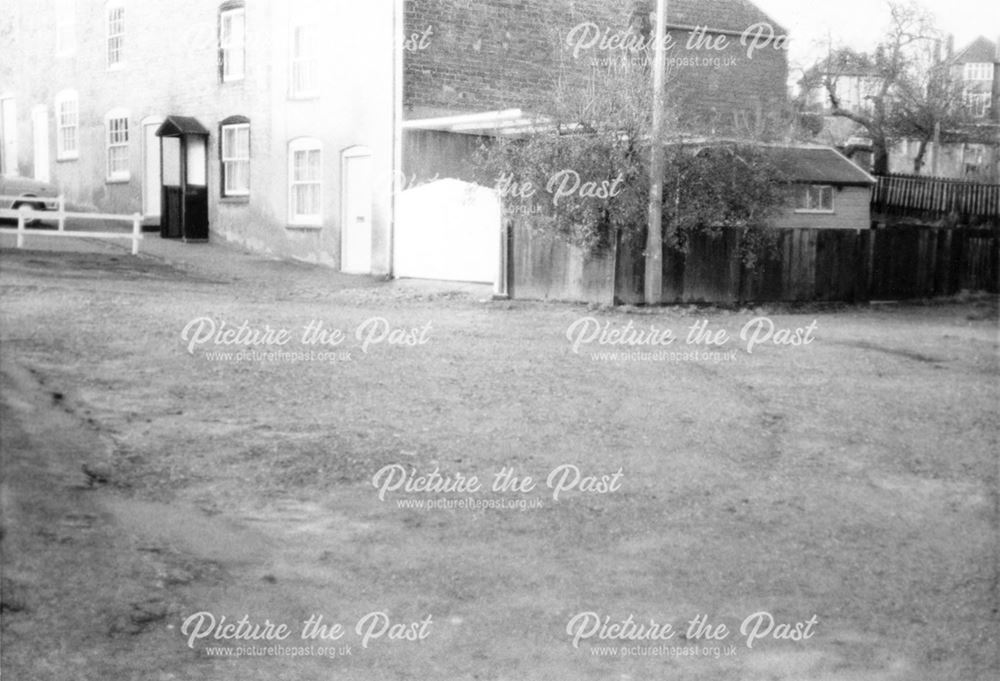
x=854, y=479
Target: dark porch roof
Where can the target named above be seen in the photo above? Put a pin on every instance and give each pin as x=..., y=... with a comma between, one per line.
x=176, y=126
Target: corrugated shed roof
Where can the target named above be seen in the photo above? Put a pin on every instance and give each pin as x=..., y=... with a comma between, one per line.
x=818, y=165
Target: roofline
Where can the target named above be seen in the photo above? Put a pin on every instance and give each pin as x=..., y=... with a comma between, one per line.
x=861, y=170
x=958, y=55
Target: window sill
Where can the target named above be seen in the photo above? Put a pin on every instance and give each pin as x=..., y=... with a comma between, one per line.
x=802, y=211
x=303, y=96
x=117, y=180
x=116, y=67
x=67, y=157
x=234, y=199
x=304, y=227
x=232, y=81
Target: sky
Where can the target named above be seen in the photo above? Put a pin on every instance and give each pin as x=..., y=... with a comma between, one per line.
x=859, y=23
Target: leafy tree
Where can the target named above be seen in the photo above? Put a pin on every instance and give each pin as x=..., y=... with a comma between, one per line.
x=594, y=134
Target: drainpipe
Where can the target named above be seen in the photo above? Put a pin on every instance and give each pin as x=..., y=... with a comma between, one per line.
x=398, y=20
x=934, y=148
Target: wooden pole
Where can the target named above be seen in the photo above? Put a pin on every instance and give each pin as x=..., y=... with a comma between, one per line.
x=654, y=238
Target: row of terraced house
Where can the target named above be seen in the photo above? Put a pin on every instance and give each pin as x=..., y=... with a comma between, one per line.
x=342, y=132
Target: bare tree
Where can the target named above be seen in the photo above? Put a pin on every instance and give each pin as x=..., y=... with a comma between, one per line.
x=891, y=70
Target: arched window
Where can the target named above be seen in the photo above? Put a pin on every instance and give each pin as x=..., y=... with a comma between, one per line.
x=67, y=125
x=117, y=139
x=234, y=156
x=305, y=182
x=232, y=41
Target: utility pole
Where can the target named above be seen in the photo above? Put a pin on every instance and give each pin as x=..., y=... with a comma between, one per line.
x=654, y=237
x=935, y=148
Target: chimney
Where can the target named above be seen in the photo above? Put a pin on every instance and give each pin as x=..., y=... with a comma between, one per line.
x=996, y=56
x=950, y=49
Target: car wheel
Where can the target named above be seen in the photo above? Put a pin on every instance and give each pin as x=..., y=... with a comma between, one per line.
x=26, y=207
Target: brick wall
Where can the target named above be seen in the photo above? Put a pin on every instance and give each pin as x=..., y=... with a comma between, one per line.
x=480, y=55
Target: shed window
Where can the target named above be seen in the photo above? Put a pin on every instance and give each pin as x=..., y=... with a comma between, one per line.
x=116, y=123
x=816, y=198
x=67, y=125
x=235, y=156
x=305, y=179
x=116, y=35
x=232, y=40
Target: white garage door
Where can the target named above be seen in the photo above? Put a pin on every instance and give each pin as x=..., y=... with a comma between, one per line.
x=450, y=230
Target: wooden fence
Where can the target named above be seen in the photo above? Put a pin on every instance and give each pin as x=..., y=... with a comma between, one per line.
x=807, y=265
x=935, y=199
x=23, y=215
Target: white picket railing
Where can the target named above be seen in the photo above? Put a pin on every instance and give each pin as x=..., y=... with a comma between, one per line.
x=61, y=214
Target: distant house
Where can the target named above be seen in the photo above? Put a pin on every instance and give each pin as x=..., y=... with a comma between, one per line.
x=971, y=152
x=828, y=191
x=852, y=77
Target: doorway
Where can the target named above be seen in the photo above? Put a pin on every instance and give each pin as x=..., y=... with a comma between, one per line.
x=356, y=211
x=151, y=182
x=40, y=142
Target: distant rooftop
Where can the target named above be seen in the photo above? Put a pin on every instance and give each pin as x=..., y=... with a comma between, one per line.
x=981, y=50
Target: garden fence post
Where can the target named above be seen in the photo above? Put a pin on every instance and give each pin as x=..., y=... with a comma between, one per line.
x=136, y=232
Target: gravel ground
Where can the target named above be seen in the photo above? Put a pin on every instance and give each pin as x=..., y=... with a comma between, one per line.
x=852, y=480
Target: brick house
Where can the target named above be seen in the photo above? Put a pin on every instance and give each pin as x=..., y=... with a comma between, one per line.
x=488, y=55
x=300, y=158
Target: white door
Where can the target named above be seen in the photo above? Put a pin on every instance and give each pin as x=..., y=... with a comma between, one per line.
x=40, y=142
x=356, y=218
x=449, y=230
x=151, y=168
x=8, y=132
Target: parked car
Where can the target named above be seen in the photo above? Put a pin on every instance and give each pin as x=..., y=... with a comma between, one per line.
x=28, y=194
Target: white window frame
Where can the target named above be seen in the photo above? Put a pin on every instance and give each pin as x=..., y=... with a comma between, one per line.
x=65, y=152
x=232, y=43
x=302, y=145
x=115, y=28
x=229, y=158
x=806, y=199
x=65, y=26
x=297, y=61
x=110, y=119
x=979, y=71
